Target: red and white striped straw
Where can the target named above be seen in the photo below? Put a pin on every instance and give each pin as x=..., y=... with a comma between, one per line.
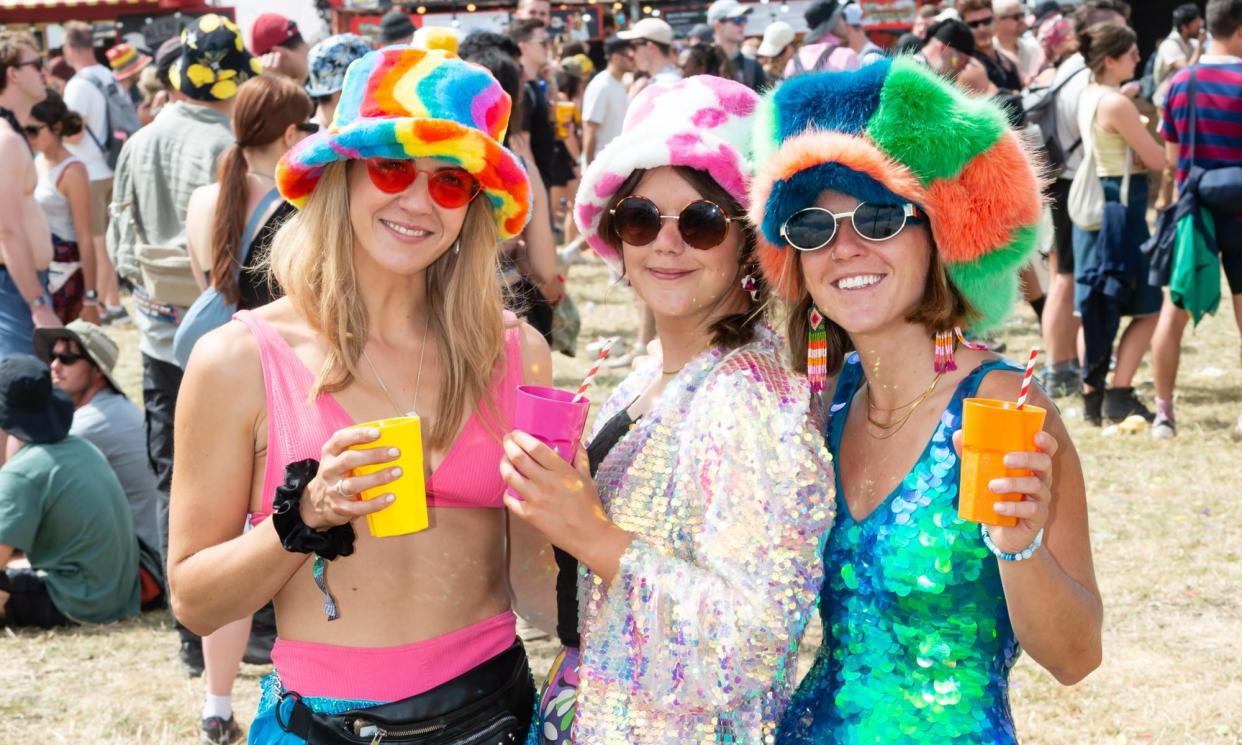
x=586, y=382
x=1026, y=379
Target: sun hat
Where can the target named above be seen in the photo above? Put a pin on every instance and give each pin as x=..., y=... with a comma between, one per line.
x=894, y=132
x=723, y=10
x=395, y=26
x=329, y=59
x=213, y=61
x=271, y=30
x=402, y=102
x=649, y=29
x=776, y=37
x=702, y=122
x=125, y=61
x=93, y=340
x=31, y=408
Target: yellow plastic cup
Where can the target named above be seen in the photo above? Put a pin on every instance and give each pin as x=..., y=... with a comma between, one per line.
x=408, y=514
x=990, y=430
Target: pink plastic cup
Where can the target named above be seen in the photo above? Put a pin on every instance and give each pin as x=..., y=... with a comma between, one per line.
x=551, y=416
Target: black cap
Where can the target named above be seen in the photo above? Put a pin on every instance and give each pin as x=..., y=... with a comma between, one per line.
x=820, y=12
x=1045, y=9
x=394, y=26
x=953, y=34
x=31, y=408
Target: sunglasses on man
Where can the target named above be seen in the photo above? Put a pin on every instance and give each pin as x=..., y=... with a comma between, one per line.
x=67, y=358
x=980, y=22
x=36, y=63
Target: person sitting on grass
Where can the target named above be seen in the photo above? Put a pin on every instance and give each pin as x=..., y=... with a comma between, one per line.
x=61, y=506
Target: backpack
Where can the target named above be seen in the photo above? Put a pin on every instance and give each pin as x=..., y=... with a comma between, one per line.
x=1040, y=112
x=120, y=118
x=821, y=62
x=211, y=311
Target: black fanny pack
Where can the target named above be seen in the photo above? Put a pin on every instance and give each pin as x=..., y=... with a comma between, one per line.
x=492, y=703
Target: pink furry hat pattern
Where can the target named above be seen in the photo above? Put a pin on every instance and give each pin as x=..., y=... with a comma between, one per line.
x=703, y=122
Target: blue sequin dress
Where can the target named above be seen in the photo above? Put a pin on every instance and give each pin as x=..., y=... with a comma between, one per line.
x=917, y=641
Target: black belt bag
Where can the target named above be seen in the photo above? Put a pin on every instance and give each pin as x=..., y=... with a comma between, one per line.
x=492, y=703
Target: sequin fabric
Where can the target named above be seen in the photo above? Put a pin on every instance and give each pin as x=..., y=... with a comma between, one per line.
x=727, y=485
x=917, y=644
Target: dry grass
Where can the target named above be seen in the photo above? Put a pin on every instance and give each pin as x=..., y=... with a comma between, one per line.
x=1167, y=533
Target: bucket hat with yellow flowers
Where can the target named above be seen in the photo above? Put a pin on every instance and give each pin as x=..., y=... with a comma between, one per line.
x=214, y=60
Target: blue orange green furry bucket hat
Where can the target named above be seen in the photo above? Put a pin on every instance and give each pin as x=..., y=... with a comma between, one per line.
x=894, y=132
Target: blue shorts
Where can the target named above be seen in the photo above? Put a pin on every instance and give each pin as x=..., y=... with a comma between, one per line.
x=16, y=326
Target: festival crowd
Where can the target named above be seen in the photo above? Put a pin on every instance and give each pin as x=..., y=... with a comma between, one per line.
x=819, y=234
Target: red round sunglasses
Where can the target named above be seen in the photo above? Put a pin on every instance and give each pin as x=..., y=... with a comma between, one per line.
x=450, y=187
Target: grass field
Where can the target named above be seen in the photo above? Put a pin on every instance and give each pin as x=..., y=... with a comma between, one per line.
x=1166, y=528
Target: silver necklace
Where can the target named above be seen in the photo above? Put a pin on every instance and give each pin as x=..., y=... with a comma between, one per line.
x=418, y=380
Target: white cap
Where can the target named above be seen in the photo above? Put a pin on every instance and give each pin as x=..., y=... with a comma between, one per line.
x=650, y=29
x=776, y=37
x=723, y=9
x=853, y=14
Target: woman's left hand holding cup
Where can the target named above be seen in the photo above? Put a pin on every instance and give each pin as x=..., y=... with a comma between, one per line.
x=557, y=498
x=1032, y=511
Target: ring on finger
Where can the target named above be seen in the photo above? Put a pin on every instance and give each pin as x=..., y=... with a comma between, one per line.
x=340, y=488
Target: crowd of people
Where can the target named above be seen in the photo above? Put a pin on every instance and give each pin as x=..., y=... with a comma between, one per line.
x=819, y=234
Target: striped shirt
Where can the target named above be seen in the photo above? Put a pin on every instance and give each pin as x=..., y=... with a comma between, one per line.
x=1218, y=100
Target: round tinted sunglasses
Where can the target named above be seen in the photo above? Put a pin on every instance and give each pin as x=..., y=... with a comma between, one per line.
x=702, y=224
x=449, y=187
x=813, y=228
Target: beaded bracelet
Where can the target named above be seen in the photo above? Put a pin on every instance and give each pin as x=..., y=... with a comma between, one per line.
x=1022, y=555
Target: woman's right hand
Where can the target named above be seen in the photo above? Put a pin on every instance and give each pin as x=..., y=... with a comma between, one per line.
x=331, y=498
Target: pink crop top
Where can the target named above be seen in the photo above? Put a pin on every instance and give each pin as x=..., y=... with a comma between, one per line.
x=297, y=428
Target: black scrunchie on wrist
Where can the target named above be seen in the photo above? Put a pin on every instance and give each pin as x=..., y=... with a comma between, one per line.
x=295, y=535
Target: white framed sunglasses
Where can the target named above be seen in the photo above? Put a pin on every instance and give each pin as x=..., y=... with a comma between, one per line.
x=812, y=228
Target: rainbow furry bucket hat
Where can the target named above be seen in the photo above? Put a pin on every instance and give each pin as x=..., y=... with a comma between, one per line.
x=701, y=122
x=405, y=103
x=893, y=132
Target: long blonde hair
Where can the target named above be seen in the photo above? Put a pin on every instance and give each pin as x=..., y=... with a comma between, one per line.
x=312, y=258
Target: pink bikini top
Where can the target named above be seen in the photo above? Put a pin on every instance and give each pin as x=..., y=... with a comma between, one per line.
x=297, y=428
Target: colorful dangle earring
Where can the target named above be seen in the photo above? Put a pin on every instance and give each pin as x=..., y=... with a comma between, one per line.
x=946, y=342
x=944, y=352
x=817, y=351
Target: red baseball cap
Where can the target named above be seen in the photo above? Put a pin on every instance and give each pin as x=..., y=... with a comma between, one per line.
x=269, y=30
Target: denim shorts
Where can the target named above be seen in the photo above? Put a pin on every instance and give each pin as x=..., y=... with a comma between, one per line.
x=16, y=325
x=1146, y=298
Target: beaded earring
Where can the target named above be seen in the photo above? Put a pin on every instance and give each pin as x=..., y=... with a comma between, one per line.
x=816, y=351
x=750, y=285
x=946, y=342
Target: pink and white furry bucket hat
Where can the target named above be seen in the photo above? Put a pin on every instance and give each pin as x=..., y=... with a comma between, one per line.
x=702, y=122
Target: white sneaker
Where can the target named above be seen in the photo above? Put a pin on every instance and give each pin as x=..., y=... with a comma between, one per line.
x=1163, y=429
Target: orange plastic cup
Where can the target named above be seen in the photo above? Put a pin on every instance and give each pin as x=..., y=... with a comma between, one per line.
x=990, y=430
x=408, y=514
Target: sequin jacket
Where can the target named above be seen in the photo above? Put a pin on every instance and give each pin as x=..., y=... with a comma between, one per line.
x=728, y=488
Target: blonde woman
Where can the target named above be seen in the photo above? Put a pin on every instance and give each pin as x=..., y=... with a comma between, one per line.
x=392, y=305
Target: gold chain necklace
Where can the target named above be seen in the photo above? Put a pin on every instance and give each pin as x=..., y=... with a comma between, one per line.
x=418, y=381
x=892, y=428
